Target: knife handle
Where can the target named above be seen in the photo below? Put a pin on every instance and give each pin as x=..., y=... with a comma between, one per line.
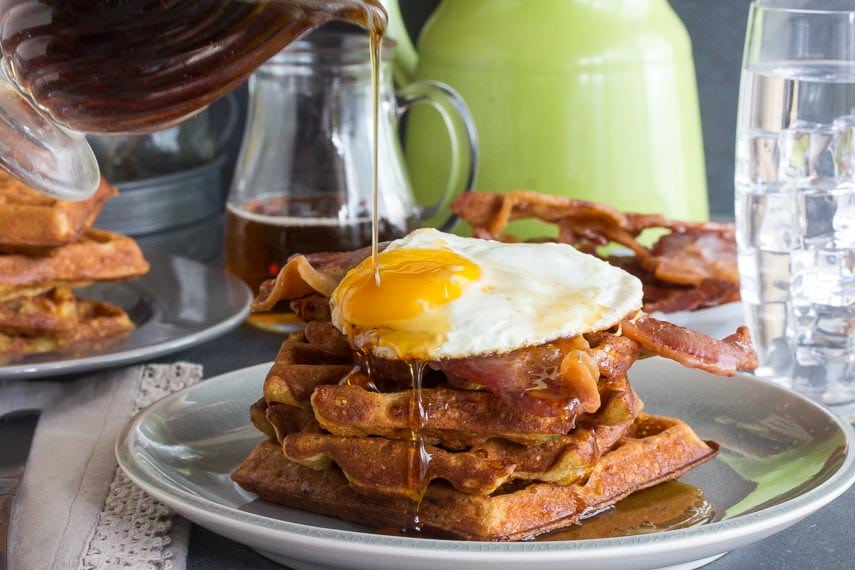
x=5, y=527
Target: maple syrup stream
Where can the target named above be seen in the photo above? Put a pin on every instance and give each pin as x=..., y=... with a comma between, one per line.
x=419, y=459
x=376, y=42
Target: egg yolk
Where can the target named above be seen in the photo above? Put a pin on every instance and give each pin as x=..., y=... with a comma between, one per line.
x=405, y=310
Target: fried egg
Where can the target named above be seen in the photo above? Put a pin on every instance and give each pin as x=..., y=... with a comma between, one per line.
x=443, y=296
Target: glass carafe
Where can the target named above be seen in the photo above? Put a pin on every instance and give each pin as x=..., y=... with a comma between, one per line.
x=795, y=194
x=303, y=182
x=75, y=67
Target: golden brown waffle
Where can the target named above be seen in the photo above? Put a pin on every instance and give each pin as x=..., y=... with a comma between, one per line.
x=98, y=255
x=52, y=312
x=31, y=219
x=453, y=418
x=477, y=468
x=380, y=466
x=306, y=371
x=458, y=458
x=100, y=325
x=493, y=473
x=656, y=450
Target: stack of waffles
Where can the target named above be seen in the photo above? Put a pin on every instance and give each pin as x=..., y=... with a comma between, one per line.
x=47, y=248
x=448, y=459
x=485, y=445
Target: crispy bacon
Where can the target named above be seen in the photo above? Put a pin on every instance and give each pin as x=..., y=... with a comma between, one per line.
x=613, y=353
x=709, y=293
x=692, y=257
x=689, y=266
x=691, y=348
x=493, y=211
x=661, y=296
x=554, y=379
x=306, y=274
x=538, y=380
x=313, y=307
x=692, y=267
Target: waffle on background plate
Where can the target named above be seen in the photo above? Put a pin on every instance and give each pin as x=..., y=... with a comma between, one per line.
x=47, y=248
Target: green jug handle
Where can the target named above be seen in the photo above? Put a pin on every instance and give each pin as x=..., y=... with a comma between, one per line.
x=406, y=57
x=461, y=130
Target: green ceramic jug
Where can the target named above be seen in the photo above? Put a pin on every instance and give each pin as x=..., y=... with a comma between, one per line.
x=593, y=99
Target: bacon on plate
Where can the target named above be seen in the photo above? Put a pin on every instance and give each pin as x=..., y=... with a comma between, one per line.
x=690, y=265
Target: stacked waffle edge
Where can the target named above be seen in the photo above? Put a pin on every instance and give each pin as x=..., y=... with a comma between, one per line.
x=471, y=467
x=47, y=248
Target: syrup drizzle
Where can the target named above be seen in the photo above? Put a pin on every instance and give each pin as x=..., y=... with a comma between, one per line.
x=668, y=506
x=419, y=458
x=376, y=43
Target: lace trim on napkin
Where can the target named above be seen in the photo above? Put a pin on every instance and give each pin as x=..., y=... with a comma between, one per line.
x=133, y=529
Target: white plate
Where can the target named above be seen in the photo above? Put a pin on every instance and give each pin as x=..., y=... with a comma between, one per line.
x=177, y=304
x=718, y=321
x=783, y=457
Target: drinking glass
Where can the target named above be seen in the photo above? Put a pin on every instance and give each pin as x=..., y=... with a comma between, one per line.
x=795, y=193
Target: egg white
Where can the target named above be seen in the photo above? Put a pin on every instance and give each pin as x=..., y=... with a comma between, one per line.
x=527, y=294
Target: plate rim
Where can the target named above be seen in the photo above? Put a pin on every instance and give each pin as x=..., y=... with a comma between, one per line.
x=36, y=370
x=769, y=519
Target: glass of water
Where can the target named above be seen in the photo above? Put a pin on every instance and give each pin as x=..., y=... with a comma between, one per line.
x=795, y=193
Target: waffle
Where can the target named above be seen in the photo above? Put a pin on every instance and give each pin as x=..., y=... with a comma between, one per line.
x=31, y=219
x=305, y=374
x=655, y=450
x=99, y=326
x=97, y=255
x=493, y=446
x=339, y=447
x=52, y=312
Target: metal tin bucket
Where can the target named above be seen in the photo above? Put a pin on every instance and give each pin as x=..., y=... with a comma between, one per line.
x=178, y=213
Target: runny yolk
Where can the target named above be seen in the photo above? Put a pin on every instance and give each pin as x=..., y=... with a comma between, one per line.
x=405, y=311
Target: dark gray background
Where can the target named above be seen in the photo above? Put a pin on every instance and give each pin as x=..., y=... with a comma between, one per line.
x=717, y=29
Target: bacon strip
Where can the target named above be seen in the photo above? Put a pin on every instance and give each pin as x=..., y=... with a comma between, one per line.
x=691, y=348
x=614, y=354
x=490, y=212
x=699, y=257
x=667, y=297
x=554, y=379
x=306, y=274
x=709, y=293
x=692, y=257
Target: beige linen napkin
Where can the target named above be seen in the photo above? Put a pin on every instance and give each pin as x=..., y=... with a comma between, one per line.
x=75, y=507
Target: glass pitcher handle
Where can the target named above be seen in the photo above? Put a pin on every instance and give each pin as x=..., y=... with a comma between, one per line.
x=39, y=153
x=464, y=139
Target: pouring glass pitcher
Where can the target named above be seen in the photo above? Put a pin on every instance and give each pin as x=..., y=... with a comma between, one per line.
x=303, y=182
x=102, y=67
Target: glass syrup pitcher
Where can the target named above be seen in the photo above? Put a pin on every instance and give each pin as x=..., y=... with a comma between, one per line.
x=131, y=66
x=303, y=182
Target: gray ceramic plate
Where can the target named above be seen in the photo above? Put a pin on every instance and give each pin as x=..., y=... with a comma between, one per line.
x=177, y=304
x=782, y=458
